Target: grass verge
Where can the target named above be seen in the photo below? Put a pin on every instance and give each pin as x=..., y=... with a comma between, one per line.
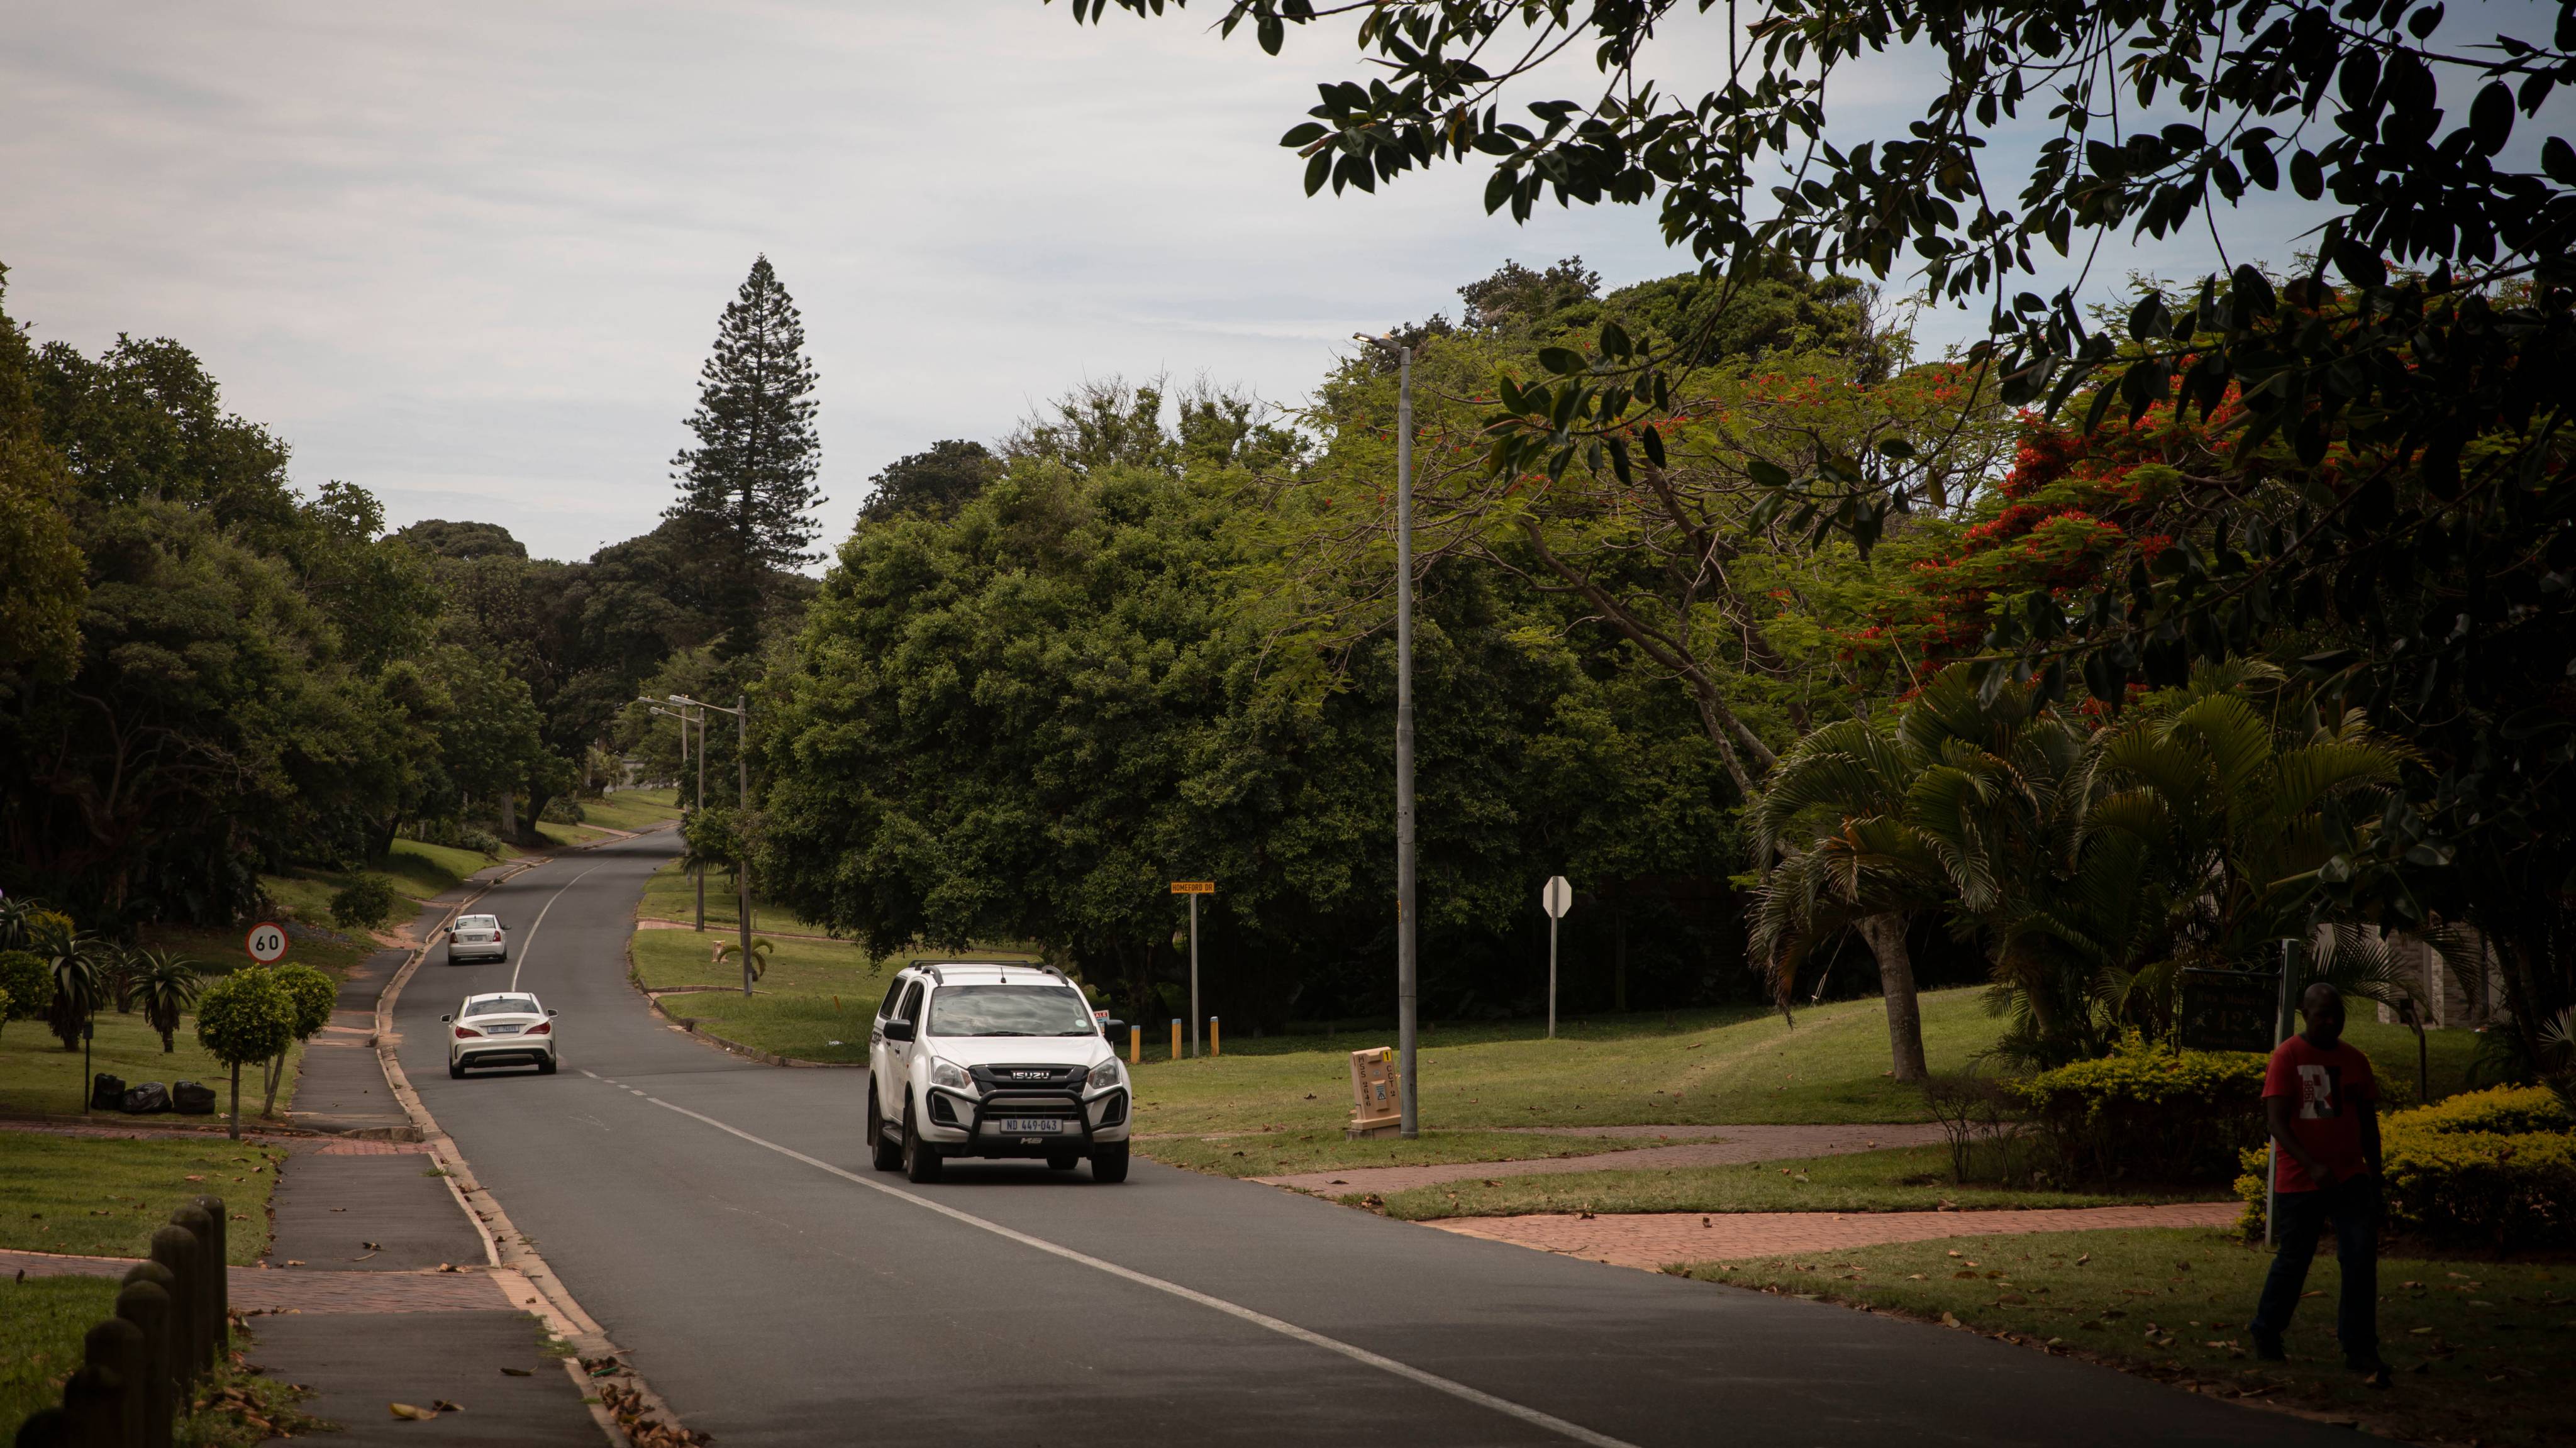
x=814, y=994
x=1278, y=1153
x=95, y=1196
x=1895, y=1179
x=2480, y=1347
x=42, y=1321
x=39, y=1077
x=669, y=894
x=630, y=809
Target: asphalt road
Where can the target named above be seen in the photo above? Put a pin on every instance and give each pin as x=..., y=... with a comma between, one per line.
x=721, y=1221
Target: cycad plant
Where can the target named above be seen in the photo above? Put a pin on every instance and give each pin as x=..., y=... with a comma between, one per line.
x=166, y=986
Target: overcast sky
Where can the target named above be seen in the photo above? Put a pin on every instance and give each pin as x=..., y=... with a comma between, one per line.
x=471, y=255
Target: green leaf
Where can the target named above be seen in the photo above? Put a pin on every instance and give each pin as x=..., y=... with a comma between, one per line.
x=1563, y=361
x=1767, y=473
x=1614, y=340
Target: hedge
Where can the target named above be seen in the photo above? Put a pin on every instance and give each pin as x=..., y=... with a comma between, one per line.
x=2494, y=1168
x=2150, y=1113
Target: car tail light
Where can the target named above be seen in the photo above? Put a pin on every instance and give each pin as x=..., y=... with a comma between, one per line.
x=542, y=1028
x=464, y=1031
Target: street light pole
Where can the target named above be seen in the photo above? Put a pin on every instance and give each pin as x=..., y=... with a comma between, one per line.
x=1407, y=962
x=699, y=872
x=741, y=713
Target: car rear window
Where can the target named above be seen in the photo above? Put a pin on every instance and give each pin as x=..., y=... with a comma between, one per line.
x=1009, y=1010
x=503, y=1006
x=477, y=922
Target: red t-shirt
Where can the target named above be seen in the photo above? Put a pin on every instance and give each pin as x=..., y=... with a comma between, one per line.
x=2329, y=1087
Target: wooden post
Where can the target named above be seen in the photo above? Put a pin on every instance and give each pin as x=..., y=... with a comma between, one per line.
x=147, y=1305
x=113, y=1352
x=175, y=1248
x=1135, y=1045
x=91, y=1408
x=219, y=1253
x=1176, y=1038
x=1212, y=1042
x=196, y=1223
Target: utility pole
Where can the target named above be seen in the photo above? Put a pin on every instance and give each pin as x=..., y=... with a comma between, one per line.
x=741, y=713
x=1407, y=964
x=698, y=872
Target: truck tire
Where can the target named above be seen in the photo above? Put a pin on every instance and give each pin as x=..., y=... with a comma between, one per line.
x=1109, y=1163
x=884, y=1155
x=920, y=1158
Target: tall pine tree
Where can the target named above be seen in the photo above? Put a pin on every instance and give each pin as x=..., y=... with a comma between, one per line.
x=747, y=489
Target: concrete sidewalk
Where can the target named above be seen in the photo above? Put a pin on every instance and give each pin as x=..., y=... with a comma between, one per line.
x=1731, y=1146
x=1653, y=1239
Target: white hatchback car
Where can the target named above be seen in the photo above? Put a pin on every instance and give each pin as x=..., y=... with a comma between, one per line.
x=503, y=1027
x=976, y=1058
x=477, y=937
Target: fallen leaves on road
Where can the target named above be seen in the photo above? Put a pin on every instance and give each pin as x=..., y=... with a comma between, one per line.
x=406, y=1410
x=518, y=1372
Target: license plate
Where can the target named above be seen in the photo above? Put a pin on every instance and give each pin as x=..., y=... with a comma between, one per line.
x=1032, y=1125
x=501, y=1030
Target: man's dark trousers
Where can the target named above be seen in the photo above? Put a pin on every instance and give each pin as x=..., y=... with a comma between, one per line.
x=2353, y=1205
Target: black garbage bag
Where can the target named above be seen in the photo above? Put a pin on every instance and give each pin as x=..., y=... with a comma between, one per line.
x=188, y=1098
x=106, y=1093
x=150, y=1096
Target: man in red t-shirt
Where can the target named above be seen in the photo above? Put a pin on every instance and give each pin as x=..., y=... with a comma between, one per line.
x=2323, y=1109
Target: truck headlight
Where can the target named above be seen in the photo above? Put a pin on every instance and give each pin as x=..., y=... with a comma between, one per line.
x=943, y=1073
x=1103, y=1076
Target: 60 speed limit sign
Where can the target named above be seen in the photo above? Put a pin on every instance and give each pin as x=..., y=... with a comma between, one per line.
x=267, y=943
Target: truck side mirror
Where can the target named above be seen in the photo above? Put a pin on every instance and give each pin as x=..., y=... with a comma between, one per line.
x=1113, y=1029
x=898, y=1030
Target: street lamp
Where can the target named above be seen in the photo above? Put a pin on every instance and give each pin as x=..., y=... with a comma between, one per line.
x=701, y=721
x=1407, y=971
x=741, y=713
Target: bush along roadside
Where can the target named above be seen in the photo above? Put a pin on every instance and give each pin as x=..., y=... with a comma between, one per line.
x=2494, y=1169
x=166, y=1356
x=2149, y=1113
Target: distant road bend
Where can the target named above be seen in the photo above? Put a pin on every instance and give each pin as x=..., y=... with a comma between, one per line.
x=721, y=1220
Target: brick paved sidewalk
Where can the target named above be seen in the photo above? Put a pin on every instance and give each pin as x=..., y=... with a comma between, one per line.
x=1738, y=1145
x=1651, y=1239
x=297, y=1289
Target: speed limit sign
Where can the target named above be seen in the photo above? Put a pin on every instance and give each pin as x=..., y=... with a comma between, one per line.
x=267, y=943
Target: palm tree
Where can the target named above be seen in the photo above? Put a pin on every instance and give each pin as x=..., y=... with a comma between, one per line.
x=167, y=986
x=1872, y=827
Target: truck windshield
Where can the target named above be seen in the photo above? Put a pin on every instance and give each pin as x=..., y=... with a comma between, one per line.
x=1009, y=1010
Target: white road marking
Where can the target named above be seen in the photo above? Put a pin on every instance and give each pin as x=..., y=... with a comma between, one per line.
x=530, y=943
x=1407, y=1371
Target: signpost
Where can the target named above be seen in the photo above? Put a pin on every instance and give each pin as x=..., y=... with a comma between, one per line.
x=266, y=943
x=1555, y=897
x=1194, y=889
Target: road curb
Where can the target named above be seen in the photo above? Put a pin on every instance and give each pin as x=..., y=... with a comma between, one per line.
x=626, y=1408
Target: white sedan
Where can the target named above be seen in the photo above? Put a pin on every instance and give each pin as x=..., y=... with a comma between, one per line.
x=506, y=1027
x=477, y=937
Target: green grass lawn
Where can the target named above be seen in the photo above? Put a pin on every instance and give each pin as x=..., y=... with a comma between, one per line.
x=418, y=872
x=630, y=809
x=2481, y=1348
x=1895, y=1179
x=669, y=894
x=1278, y=1153
x=1690, y=1069
x=815, y=992
x=220, y=947
x=37, y=1076
x=103, y=1196
x=42, y=1321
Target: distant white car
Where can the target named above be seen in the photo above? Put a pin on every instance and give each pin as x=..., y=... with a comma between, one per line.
x=972, y=1058
x=477, y=937
x=506, y=1027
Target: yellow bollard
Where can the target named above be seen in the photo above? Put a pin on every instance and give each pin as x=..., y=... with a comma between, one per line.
x=1176, y=1038
x=1212, y=1047
x=1135, y=1045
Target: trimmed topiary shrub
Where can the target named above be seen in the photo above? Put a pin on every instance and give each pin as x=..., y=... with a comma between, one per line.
x=2149, y=1113
x=364, y=903
x=243, y=1019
